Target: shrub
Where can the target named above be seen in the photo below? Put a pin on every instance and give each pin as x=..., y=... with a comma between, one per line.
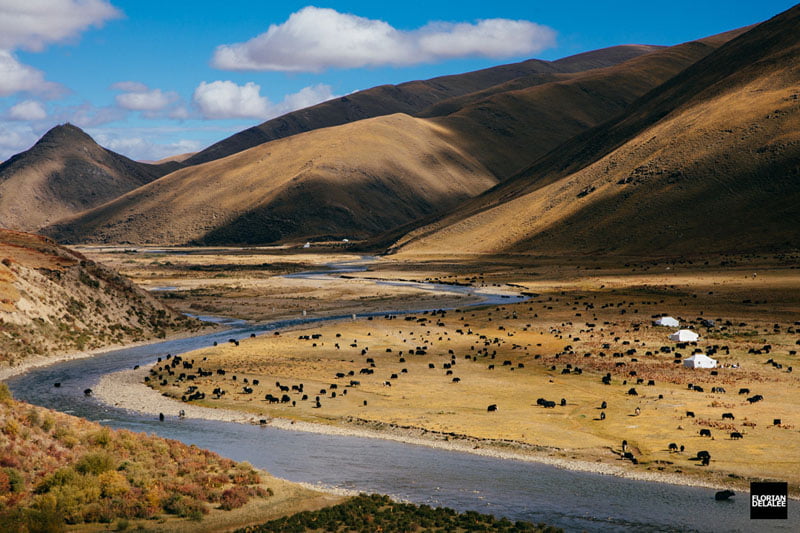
x=112, y=484
x=16, y=483
x=95, y=463
x=45, y=515
x=233, y=498
x=59, y=478
x=185, y=507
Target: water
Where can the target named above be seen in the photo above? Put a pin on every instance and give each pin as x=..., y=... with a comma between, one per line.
x=514, y=489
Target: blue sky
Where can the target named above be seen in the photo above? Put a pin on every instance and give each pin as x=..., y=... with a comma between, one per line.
x=152, y=78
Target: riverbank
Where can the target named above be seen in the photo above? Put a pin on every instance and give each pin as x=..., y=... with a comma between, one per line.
x=127, y=390
x=40, y=361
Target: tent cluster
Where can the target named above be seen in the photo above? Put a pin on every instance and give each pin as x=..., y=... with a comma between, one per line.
x=697, y=360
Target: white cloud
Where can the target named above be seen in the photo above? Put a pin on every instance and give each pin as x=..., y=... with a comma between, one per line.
x=27, y=110
x=305, y=97
x=314, y=39
x=225, y=99
x=147, y=100
x=141, y=149
x=16, y=77
x=31, y=24
x=16, y=137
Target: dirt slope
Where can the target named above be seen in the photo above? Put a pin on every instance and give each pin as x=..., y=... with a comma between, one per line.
x=64, y=173
x=54, y=300
x=709, y=161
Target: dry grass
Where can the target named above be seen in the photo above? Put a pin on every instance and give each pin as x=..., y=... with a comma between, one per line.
x=570, y=295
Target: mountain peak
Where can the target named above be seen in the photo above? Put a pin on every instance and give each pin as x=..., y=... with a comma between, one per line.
x=64, y=133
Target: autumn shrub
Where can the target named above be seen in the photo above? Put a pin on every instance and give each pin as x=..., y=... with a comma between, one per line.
x=185, y=507
x=5, y=395
x=233, y=498
x=95, y=463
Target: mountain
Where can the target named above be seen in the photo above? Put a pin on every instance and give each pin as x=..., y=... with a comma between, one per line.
x=350, y=181
x=65, y=173
x=54, y=300
x=706, y=162
x=361, y=179
x=409, y=98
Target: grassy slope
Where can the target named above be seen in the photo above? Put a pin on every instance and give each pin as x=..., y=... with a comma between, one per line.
x=409, y=98
x=57, y=469
x=360, y=179
x=707, y=161
x=54, y=300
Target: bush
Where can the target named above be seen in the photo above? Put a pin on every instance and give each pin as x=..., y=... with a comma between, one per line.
x=233, y=498
x=5, y=395
x=185, y=507
x=95, y=463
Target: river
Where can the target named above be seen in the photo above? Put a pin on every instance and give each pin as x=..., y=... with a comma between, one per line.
x=514, y=489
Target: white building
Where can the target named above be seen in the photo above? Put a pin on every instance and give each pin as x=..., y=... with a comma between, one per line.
x=700, y=360
x=684, y=335
x=667, y=321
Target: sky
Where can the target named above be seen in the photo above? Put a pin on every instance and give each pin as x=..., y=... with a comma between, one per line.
x=154, y=78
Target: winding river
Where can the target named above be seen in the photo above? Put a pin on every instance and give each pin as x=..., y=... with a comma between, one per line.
x=514, y=489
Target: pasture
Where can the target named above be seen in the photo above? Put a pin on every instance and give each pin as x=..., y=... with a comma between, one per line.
x=438, y=372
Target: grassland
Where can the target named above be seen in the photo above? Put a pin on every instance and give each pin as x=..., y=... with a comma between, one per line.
x=595, y=316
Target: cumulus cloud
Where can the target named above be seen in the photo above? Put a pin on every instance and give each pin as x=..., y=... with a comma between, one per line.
x=16, y=77
x=16, y=137
x=27, y=110
x=147, y=100
x=31, y=24
x=226, y=99
x=314, y=39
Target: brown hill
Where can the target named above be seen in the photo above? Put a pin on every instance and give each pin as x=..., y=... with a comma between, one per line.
x=350, y=181
x=65, y=173
x=707, y=162
x=409, y=98
x=360, y=179
x=54, y=300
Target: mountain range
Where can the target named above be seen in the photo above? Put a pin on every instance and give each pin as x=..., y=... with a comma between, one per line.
x=626, y=150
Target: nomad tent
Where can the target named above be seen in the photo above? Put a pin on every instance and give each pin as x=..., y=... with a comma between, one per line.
x=684, y=335
x=667, y=321
x=699, y=360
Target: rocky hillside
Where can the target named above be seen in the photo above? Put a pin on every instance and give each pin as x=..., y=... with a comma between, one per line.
x=53, y=300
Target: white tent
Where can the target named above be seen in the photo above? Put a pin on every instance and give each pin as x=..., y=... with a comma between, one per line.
x=684, y=335
x=700, y=360
x=667, y=321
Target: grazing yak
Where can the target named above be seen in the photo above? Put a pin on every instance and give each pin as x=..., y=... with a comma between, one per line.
x=492, y=408
x=705, y=432
x=735, y=435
